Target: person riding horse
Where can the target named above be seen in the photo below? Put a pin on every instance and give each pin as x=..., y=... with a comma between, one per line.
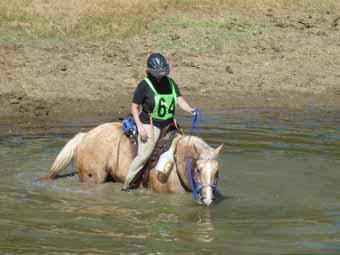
x=105, y=153
x=158, y=95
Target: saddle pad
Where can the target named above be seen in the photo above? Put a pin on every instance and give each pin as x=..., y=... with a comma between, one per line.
x=162, y=145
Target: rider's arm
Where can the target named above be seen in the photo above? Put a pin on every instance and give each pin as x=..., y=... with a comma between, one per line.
x=184, y=104
x=135, y=114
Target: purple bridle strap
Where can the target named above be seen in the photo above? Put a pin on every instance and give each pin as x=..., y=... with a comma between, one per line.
x=200, y=187
x=196, y=188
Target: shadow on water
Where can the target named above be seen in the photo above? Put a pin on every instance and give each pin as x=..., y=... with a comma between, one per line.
x=60, y=176
x=220, y=198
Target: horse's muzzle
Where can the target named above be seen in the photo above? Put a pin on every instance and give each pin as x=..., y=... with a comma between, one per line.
x=207, y=202
x=208, y=199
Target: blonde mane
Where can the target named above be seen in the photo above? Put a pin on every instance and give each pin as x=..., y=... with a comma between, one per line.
x=198, y=147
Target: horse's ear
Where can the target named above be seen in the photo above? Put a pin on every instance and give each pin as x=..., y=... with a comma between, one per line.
x=219, y=149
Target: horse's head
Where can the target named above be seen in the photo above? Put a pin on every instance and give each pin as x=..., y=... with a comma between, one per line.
x=206, y=173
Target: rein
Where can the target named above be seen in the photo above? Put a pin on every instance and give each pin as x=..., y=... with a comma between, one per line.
x=196, y=187
x=196, y=118
x=187, y=189
x=200, y=187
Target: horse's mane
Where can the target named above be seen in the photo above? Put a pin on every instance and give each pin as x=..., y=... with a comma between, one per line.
x=200, y=145
x=198, y=141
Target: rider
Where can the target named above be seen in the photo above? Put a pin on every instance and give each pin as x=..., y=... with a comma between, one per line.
x=157, y=94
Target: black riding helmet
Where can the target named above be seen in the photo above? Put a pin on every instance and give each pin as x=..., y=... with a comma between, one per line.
x=157, y=65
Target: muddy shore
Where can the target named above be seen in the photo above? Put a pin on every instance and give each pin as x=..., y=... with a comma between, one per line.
x=295, y=65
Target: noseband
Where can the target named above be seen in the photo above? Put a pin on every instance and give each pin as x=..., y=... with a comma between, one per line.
x=196, y=186
x=200, y=187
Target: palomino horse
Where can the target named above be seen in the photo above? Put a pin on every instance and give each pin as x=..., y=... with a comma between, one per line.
x=105, y=153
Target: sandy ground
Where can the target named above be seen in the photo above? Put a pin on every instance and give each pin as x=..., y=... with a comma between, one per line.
x=297, y=67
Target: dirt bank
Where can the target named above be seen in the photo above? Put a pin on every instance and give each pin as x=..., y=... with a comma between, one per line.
x=276, y=58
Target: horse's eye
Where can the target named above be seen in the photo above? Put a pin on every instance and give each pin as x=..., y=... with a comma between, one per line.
x=198, y=170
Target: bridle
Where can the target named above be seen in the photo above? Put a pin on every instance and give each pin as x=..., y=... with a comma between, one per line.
x=195, y=185
x=200, y=187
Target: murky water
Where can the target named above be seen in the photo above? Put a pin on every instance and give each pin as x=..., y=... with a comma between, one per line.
x=280, y=185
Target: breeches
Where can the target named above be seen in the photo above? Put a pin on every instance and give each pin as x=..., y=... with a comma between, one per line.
x=145, y=149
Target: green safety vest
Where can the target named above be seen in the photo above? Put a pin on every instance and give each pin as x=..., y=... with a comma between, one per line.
x=165, y=104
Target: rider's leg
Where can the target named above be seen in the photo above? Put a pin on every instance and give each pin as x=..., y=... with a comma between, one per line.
x=144, y=152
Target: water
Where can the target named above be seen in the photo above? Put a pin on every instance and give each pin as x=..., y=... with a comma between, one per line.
x=280, y=193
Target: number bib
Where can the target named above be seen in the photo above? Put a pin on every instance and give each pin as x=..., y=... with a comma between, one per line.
x=165, y=104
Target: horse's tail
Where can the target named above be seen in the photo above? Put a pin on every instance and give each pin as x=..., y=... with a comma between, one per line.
x=65, y=157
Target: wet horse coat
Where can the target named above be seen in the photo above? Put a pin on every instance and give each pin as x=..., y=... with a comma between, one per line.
x=105, y=152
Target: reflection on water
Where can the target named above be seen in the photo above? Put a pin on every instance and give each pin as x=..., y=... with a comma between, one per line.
x=205, y=232
x=279, y=193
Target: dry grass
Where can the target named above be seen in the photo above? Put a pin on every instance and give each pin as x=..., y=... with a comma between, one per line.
x=81, y=19
x=264, y=4
x=60, y=20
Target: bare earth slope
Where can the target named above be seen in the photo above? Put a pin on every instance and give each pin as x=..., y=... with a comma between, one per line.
x=271, y=59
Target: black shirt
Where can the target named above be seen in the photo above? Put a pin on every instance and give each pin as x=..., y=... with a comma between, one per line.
x=144, y=96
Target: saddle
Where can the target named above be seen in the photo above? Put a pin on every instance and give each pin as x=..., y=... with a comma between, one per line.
x=163, y=144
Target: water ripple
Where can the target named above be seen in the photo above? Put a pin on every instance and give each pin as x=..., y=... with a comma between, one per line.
x=280, y=180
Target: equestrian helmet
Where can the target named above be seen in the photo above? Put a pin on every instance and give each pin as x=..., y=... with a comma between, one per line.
x=157, y=65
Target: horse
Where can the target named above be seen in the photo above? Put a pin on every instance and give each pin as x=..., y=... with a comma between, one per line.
x=105, y=153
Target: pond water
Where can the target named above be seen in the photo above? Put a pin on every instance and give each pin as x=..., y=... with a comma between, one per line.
x=279, y=193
